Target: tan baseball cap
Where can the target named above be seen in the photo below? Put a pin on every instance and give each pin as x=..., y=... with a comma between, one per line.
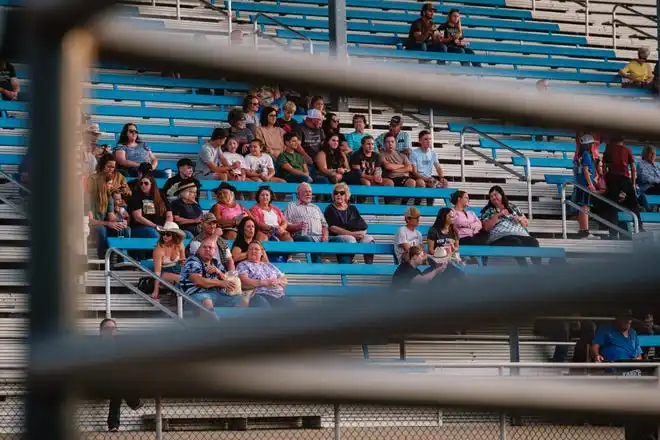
x=412, y=212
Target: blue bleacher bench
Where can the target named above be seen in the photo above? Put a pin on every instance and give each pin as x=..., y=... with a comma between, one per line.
x=159, y=81
x=494, y=11
x=179, y=98
x=567, y=148
x=547, y=162
x=557, y=179
x=510, y=129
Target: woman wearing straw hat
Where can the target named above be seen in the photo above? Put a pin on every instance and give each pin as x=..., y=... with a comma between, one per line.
x=185, y=209
x=168, y=254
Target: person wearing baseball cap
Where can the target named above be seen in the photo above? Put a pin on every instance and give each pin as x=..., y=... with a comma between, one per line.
x=210, y=163
x=424, y=34
x=94, y=151
x=211, y=228
x=584, y=172
x=403, y=142
x=408, y=235
x=311, y=137
x=185, y=172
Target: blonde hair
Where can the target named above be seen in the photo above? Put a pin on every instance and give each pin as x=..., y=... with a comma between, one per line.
x=98, y=191
x=290, y=106
x=340, y=186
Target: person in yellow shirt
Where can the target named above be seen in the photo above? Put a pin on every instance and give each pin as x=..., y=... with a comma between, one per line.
x=638, y=72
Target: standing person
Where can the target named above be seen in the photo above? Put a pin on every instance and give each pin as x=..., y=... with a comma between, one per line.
x=271, y=136
x=210, y=161
x=354, y=139
x=453, y=40
x=407, y=236
x=584, y=171
x=403, y=143
x=620, y=179
x=108, y=329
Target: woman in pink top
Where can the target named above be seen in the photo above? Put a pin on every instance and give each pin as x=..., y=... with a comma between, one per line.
x=468, y=225
x=270, y=221
x=228, y=213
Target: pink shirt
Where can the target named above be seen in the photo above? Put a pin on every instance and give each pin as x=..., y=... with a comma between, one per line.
x=231, y=213
x=467, y=223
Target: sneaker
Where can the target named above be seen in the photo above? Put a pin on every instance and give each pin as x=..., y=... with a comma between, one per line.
x=113, y=429
x=586, y=235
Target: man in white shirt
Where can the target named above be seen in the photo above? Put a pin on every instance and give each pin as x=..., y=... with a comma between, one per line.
x=408, y=235
x=210, y=162
x=306, y=221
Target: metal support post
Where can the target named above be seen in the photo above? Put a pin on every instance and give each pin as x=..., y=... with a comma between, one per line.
x=337, y=423
x=338, y=42
x=159, y=419
x=432, y=126
x=58, y=65
x=502, y=415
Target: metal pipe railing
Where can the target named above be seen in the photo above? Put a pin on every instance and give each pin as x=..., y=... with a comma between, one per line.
x=585, y=5
x=178, y=10
x=19, y=209
x=596, y=217
x=228, y=13
x=255, y=30
x=180, y=294
x=616, y=21
x=528, y=165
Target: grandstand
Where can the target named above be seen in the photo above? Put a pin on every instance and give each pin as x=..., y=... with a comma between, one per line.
x=517, y=41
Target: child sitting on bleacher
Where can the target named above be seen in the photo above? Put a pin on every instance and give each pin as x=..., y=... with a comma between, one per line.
x=239, y=167
x=261, y=163
x=120, y=207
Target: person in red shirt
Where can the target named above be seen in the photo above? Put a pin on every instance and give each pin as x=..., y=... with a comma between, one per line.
x=620, y=179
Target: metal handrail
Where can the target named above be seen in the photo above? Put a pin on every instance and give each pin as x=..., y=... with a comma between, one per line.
x=596, y=217
x=179, y=294
x=543, y=365
x=528, y=165
x=7, y=201
x=216, y=8
x=616, y=21
x=255, y=32
x=584, y=4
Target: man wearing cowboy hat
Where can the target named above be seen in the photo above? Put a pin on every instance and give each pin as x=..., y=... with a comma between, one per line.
x=211, y=229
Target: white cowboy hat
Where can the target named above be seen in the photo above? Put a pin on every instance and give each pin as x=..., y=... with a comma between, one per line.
x=171, y=227
x=440, y=255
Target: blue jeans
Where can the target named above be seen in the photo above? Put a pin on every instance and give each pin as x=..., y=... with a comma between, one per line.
x=102, y=234
x=316, y=258
x=142, y=231
x=219, y=299
x=132, y=172
x=283, y=302
x=298, y=178
x=343, y=258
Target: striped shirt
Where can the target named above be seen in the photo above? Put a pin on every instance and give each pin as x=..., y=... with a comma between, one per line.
x=297, y=212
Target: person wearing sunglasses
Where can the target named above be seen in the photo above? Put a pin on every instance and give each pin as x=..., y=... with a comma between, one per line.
x=130, y=152
x=271, y=136
x=345, y=223
x=168, y=255
x=148, y=209
x=250, y=108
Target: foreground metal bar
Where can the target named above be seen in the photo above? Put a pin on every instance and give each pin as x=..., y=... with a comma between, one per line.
x=486, y=299
x=460, y=95
x=299, y=380
x=58, y=65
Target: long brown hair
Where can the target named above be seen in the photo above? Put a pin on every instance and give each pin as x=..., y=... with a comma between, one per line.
x=98, y=191
x=154, y=193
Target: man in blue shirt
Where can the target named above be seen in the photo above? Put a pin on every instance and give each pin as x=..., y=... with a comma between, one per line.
x=616, y=342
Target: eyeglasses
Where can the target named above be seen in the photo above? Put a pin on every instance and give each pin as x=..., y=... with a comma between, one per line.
x=145, y=183
x=335, y=121
x=273, y=114
x=255, y=103
x=132, y=130
x=339, y=193
x=167, y=234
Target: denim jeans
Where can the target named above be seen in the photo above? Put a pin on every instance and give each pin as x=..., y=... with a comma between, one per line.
x=102, y=234
x=316, y=258
x=142, y=231
x=348, y=258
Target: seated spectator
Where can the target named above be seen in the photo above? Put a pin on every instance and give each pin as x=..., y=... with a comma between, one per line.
x=305, y=219
x=267, y=281
x=237, y=165
x=407, y=274
x=396, y=166
x=620, y=179
x=185, y=173
x=317, y=103
x=271, y=136
x=9, y=85
x=148, y=209
x=93, y=151
x=403, y=144
x=130, y=152
x=108, y=165
x=355, y=139
x=424, y=161
x=210, y=160
x=506, y=224
x=330, y=127
x=638, y=73
x=260, y=165
x=251, y=110
x=120, y=207
x=247, y=233
x=100, y=212
x=330, y=162
x=185, y=209
x=345, y=223
x=227, y=211
x=204, y=278
x=286, y=122
x=407, y=236
x=311, y=136
x=211, y=229
x=648, y=172
x=239, y=129
x=453, y=37
x=366, y=162
x=468, y=226
x=616, y=342
x=270, y=221
x=144, y=170
x=424, y=34
x=269, y=96
x=168, y=255
x=443, y=235
x=291, y=165
x=584, y=172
